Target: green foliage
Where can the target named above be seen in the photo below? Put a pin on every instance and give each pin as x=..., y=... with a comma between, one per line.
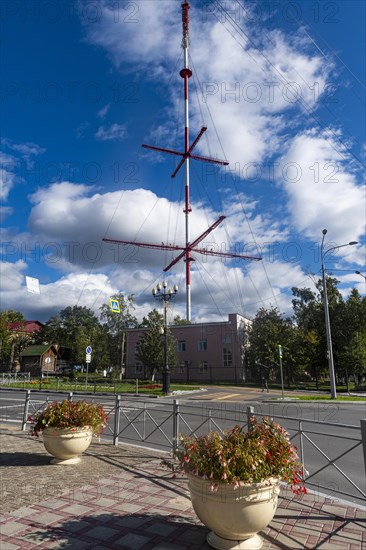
x=75, y=328
x=261, y=453
x=69, y=414
x=179, y=321
x=151, y=346
x=269, y=329
x=348, y=329
x=115, y=326
x=12, y=342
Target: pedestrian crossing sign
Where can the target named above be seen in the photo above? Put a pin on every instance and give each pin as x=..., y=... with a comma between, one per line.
x=114, y=305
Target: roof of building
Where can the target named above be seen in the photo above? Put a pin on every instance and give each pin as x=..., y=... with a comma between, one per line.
x=37, y=350
x=26, y=326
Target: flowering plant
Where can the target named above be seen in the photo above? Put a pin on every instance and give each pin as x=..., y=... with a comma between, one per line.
x=263, y=451
x=69, y=414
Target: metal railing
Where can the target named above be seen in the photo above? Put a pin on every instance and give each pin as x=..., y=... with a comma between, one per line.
x=158, y=424
x=9, y=378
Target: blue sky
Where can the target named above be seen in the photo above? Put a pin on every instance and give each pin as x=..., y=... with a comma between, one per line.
x=279, y=86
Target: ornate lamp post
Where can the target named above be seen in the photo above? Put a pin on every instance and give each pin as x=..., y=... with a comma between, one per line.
x=333, y=389
x=160, y=292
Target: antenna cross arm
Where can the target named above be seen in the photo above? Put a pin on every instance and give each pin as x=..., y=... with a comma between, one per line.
x=226, y=254
x=145, y=245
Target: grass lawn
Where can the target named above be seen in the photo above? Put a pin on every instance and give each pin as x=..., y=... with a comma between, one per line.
x=101, y=386
x=340, y=397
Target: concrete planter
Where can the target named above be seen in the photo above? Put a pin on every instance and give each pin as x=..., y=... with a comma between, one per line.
x=235, y=516
x=66, y=445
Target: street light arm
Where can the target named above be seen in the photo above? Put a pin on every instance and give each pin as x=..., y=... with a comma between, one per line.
x=336, y=247
x=362, y=275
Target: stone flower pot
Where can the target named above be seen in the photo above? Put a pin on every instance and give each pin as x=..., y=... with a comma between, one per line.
x=67, y=444
x=235, y=516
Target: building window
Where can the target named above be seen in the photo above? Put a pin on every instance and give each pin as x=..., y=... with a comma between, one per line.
x=227, y=357
x=181, y=345
x=202, y=345
x=226, y=340
x=203, y=366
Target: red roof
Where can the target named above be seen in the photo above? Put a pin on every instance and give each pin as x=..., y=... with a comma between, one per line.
x=26, y=326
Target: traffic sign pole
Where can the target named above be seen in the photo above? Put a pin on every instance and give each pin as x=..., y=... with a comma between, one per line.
x=87, y=361
x=280, y=354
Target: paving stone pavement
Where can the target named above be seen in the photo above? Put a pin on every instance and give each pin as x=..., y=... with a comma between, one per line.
x=122, y=498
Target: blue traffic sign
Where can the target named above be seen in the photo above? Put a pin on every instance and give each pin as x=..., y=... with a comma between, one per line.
x=88, y=349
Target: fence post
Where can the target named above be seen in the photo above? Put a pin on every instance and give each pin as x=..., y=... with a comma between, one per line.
x=363, y=438
x=250, y=413
x=26, y=410
x=175, y=426
x=144, y=423
x=302, y=457
x=209, y=422
x=70, y=396
x=116, y=420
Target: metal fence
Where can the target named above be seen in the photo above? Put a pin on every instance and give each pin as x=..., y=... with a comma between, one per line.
x=157, y=424
x=9, y=378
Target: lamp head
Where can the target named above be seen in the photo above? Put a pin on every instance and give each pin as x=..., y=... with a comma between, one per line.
x=353, y=242
x=325, y=231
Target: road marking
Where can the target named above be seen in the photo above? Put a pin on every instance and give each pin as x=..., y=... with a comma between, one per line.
x=228, y=396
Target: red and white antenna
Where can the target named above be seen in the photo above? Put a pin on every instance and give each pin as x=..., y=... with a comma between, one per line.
x=186, y=73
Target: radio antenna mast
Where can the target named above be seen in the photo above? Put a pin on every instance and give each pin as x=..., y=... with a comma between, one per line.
x=186, y=155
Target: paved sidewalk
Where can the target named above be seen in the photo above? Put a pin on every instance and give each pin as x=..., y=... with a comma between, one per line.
x=121, y=498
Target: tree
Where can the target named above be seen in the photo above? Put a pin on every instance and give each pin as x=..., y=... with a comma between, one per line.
x=348, y=329
x=179, y=321
x=268, y=330
x=75, y=328
x=12, y=342
x=151, y=346
x=309, y=319
x=115, y=326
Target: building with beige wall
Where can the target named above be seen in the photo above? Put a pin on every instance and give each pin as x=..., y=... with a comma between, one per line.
x=206, y=352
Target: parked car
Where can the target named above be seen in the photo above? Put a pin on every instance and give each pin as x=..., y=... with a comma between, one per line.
x=68, y=369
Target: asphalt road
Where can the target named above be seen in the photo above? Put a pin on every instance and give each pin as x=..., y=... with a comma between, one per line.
x=330, y=446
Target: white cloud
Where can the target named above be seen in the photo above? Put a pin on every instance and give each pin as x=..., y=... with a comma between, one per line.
x=136, y=35
x=243, y=85
x=5, y=211
x=7, y=175
x=11, y=276
x=26, y=149
x=84, y=289
x=65, y=210
x=102, y=113
x=113, y=132
x=321, y=192
x=9, y=163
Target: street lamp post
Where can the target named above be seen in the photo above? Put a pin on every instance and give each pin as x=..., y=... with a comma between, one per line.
x=160, y=292
x=333, y=389
x=362, y=275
